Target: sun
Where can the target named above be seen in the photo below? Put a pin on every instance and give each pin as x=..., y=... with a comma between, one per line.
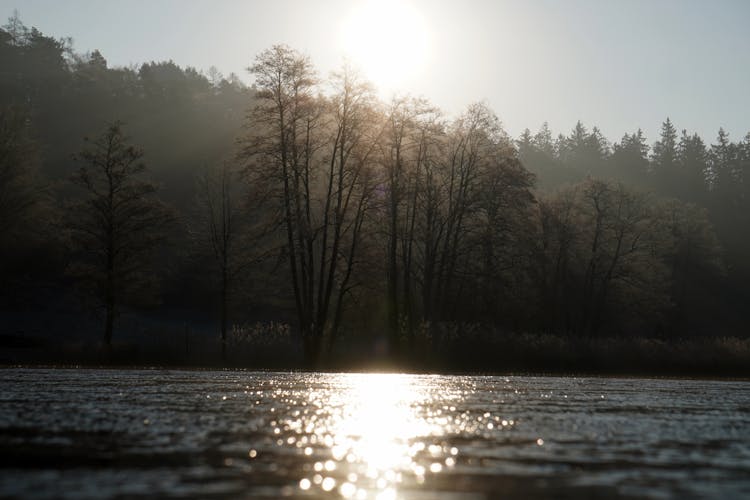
x=388, y=40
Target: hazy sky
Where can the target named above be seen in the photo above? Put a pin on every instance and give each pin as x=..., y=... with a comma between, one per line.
x=616, y=64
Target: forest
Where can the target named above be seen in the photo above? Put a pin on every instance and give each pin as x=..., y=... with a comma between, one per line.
x=156, y=214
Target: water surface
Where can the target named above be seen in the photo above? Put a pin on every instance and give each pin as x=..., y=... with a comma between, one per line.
x=234, y=434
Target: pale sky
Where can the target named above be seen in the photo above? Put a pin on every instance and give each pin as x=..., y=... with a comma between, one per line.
x=616, y=64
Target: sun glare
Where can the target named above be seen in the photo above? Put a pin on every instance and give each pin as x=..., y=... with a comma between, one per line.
x=388, y=40
x=378, y=441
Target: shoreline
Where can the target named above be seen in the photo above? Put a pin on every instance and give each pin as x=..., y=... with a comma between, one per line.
x=364, y=371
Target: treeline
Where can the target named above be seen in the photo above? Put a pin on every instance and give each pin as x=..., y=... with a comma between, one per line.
x=51, y=99
x=370, y=227
x=703, y=190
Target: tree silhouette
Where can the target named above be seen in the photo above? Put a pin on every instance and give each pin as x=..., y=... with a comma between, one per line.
x=19, y=193
x=406, y=149
x=693, y=255
x=313, y=157
x=220, y=227
x=664, y=158
x=385, y=218
x=630, y=159
x=117, y=224
x=26, y=218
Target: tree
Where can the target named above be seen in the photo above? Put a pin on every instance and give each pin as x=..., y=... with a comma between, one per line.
x=630, y=159
x=504, y=202
x=19, y=194
x=219, y=227
x=552, y=266
x=539, y=155
x=351, y=177
x=744, y=170
x=279, y=152
x=525, y=144
x=664, y=159
x=693, y=255
x=585, y=151
x=25, y=216
x=693, y=161
x=544, y=142
x=480, y=202
x=406, y=150
x=725, y=174
x=118, y=224
x=313, y=156
x=600, y=256
x=472, y=143
x=619, y=247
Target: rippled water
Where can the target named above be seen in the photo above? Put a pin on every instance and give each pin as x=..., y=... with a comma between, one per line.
x=127, y=434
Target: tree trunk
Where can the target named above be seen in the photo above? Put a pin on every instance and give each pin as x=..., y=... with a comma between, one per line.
x=311, y=341
x=224, y=315
x=109, y=300
x=109, y=324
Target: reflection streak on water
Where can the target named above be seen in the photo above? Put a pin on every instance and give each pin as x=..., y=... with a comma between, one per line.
x=228, y=434
x=375, y=430
x=374, y=425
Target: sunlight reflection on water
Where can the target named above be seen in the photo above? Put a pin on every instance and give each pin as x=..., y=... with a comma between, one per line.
x=375, y=436
x=154, y=434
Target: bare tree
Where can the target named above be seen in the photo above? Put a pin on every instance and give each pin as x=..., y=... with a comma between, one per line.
x=19, y=191
x=312, y=155
x=26, y=218
x=692, y=255
x=350, y=181
x=600, y=244
x=620, y=248
x=472, y=147
x=219, y=228
x=118, y=224
x=405, y=150
x=552, y=268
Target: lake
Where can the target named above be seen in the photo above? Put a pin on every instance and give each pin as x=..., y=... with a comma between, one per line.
x=72, y=433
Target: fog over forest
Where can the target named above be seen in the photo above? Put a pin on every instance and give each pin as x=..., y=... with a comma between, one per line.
x=164, y=214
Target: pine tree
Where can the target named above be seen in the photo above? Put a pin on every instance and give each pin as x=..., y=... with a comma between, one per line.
x=664, y=159
x=693, y=161
x=629, y=158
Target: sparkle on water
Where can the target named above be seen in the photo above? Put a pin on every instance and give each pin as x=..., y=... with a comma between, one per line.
x=152, y=434
x=374, y=430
